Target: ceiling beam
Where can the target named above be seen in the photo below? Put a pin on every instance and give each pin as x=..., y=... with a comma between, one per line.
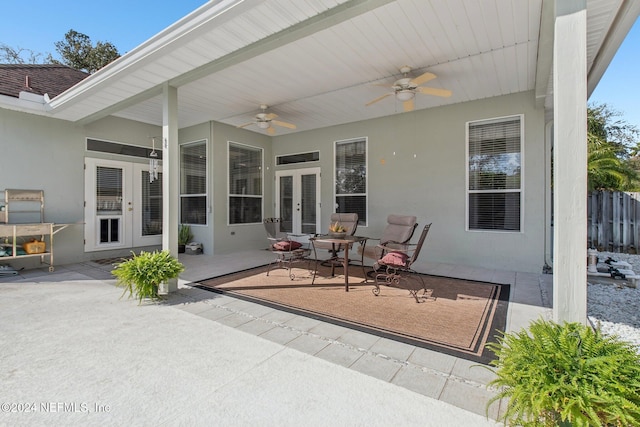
x=545, y=52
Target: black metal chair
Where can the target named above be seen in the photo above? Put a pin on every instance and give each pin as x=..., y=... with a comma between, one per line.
x=396, y=263
x=397, y=233
x=287, y=250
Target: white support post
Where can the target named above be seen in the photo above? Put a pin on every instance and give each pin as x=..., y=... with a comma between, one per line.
x=570, y=162
x=170, y=173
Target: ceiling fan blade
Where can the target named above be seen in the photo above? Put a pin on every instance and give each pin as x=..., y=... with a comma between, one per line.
x=271, y=130
x=423, y=78
x=271, y=116
x=408, y=105
x=435, y=91
x=283, y=124
x=380, y=98
x=245, y=125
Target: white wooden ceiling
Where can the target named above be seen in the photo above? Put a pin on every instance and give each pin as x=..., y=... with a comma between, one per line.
x=316, y=63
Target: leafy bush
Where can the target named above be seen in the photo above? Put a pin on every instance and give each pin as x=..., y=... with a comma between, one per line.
x=142, y=274
x=567, y=374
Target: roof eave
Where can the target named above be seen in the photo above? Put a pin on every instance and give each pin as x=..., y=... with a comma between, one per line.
x=149, y=50
x=627, y=15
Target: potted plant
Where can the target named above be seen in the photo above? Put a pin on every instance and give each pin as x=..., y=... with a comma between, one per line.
x=568, y=375
x=142, y=275
x=184, y=237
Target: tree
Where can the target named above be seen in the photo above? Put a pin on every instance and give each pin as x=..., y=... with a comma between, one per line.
x=10, y=55
x=78, y=52
x=612, y=145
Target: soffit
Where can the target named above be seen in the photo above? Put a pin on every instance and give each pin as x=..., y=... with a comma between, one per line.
x=317, y=63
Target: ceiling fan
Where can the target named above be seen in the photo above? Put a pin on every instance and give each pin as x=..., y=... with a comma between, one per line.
x=405, y=89
x=265, y=121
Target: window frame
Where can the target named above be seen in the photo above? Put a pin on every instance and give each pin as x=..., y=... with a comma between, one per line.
x=262, y=183
x=182, y=195
x=520, y=190
x=361, y=222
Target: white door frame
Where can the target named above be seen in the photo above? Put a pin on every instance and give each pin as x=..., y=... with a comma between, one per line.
x=297, y=195
x=130, y=220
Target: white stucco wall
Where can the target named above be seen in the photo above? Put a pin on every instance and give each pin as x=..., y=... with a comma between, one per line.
x=425, y=177
x=40, y=153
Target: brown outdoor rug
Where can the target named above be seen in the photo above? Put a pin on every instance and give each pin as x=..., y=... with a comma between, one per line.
x=459, y=319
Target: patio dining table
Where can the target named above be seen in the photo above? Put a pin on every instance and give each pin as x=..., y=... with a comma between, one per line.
x=336, y=241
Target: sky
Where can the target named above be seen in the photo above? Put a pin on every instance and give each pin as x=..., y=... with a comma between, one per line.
x=619, y=87
x=37, y=25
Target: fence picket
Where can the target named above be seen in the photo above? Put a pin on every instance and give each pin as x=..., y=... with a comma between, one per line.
x=613, y=219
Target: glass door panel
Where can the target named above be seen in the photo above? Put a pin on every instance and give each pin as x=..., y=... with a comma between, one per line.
x=151, y=204
x=286, y=203
x=308, y=203
x=109, y=192
x=146, y=208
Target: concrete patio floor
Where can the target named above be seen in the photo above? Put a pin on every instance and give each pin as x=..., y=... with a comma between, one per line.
x=75, y=353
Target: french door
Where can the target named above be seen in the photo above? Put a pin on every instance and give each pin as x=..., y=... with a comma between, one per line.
x=298, y=200
x=123, y=209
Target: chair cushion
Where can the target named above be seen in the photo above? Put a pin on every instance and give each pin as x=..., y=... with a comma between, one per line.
x=398, y=259
x=287, y=245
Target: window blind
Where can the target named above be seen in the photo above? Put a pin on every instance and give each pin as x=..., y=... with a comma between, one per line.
x=193, y=183
x=109, y=190
x=351, y=178
x=245, y=184
x=494, y=174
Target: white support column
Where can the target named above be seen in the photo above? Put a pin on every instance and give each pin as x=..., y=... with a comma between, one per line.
x=170, y=171
x=570, y=162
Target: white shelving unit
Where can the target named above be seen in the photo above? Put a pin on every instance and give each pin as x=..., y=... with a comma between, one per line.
x=28, y=206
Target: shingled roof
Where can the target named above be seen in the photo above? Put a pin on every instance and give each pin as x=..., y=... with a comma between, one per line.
x=52, y=79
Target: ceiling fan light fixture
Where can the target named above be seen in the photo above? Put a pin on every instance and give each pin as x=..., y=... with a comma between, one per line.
x=405, y=95
x=262, y=125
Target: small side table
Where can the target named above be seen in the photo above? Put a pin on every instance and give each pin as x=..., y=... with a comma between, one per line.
x=347, y=241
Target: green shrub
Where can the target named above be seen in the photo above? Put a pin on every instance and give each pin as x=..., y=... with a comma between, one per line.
x=142, y=274
x=567, y=374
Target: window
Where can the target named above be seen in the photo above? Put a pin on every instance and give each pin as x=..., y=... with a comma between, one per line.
x=122, y=149
x=495, y=174
x=351, y=178
x=291, y=159
x=245, y=184
x=193, y=183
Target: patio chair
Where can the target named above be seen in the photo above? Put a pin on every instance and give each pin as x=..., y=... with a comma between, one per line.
x=396, y=235
x=287, y=250
x=350, y=222
x=396, y=264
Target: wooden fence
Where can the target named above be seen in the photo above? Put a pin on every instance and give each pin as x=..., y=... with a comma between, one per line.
x=614, y=221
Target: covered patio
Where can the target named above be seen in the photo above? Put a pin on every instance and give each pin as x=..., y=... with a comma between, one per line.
x=433, y=374
x=448, y=378
x=397, y=93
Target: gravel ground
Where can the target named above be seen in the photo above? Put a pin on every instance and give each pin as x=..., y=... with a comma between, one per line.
x=615, y=307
